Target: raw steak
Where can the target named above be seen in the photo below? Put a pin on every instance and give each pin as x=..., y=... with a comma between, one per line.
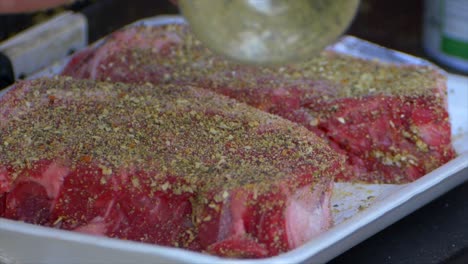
x=169, y=164
x=390, y=121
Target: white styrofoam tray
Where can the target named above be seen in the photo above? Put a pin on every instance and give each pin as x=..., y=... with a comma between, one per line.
x=360, y=210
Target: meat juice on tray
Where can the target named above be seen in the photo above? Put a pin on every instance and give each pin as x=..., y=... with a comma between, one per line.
x=170, y=164
x=390, y=121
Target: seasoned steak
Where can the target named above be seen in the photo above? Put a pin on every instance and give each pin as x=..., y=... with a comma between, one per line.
x=168, y=164
x=389, y=120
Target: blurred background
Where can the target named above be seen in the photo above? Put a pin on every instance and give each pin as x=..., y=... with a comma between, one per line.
x=395, y=24
x=436, y=233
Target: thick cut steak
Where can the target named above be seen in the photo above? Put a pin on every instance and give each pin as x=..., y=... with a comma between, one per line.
x=390, y=121
x=169, y=164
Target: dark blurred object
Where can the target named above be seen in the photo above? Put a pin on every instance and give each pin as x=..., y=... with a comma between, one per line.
x=394, y=24
x=6, y=71
x=460, y=257
x=106, y=16
x=12, y=24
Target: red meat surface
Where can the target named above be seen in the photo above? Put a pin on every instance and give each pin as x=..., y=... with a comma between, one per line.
x=169, y=164
x=390, y=121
